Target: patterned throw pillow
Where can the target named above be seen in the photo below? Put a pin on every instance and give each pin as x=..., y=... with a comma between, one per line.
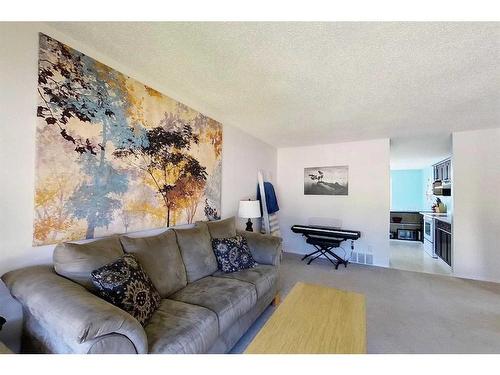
x=125, y=284
x=232, y=254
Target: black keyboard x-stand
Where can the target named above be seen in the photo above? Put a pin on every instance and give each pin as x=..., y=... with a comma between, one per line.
x=323, y=247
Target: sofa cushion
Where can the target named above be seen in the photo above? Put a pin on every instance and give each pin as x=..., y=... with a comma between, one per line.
x=263, y=277
x=161, y=259
x=76, y=261
x=220, y=228
x=266, y=249
x=232, y=254
x=196, y=250
x=125, y=284
x=180, y=328
x=228, y=298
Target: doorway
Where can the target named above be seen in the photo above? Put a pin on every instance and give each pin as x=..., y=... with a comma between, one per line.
x=417, y=203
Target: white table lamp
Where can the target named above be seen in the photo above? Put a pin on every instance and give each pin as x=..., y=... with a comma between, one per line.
x=249, y=210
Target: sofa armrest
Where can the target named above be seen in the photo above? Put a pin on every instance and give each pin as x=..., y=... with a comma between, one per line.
x=71, y=314
x=265, y=249
x=4, y=349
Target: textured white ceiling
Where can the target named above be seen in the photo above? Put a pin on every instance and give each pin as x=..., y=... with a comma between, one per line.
x=307, y=83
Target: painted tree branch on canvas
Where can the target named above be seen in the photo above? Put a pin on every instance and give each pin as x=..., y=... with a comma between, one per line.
x=114, y=155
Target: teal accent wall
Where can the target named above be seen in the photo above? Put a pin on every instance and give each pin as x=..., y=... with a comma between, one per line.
x=407, y=190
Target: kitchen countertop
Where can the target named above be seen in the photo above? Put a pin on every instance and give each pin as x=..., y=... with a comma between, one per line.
x=438, y=216
x=406, y=211
x=446, y=219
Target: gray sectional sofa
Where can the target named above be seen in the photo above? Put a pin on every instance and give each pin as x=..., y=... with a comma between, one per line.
x=202, y=310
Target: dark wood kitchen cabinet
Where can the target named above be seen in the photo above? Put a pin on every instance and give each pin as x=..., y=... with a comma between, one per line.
x=442, y=171
x=443, y=241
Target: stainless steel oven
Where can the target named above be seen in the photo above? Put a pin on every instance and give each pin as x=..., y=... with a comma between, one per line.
x=428, y=228
x=429, y=236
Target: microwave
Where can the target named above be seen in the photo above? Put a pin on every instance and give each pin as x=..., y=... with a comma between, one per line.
x=408, y=234
x=440, y=188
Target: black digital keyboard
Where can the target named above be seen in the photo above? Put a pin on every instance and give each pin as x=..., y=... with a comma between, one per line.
x=326, y=231
x=324, y=239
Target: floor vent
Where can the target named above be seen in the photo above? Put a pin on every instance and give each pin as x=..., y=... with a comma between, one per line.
x=362, y=258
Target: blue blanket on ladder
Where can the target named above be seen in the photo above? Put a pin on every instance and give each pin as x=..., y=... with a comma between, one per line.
x=271, y=200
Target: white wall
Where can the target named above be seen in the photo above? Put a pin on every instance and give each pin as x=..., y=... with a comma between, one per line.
x=366, y=208
x=476, y=208
x=243, y=156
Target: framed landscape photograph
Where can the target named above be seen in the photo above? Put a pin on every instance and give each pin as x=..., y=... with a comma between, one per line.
x=326, y=180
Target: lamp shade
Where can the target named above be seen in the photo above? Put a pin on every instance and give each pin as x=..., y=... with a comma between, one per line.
x=249, y=209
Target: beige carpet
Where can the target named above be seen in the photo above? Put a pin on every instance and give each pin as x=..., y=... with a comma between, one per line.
x=407, y=312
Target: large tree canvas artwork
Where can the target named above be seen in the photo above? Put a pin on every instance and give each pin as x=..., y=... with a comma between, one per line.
x=114, y=155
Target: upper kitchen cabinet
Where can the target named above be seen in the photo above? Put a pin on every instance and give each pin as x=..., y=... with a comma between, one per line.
x=442, y=170
x=442, y=178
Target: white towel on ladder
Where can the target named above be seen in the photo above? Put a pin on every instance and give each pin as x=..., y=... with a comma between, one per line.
x=274, y=225
x=272, y=219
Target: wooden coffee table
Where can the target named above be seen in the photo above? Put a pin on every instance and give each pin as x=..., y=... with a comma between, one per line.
x=314, y=319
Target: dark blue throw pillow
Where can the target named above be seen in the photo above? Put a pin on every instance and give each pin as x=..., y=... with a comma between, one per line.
x=125, y=284
x=232, y=254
